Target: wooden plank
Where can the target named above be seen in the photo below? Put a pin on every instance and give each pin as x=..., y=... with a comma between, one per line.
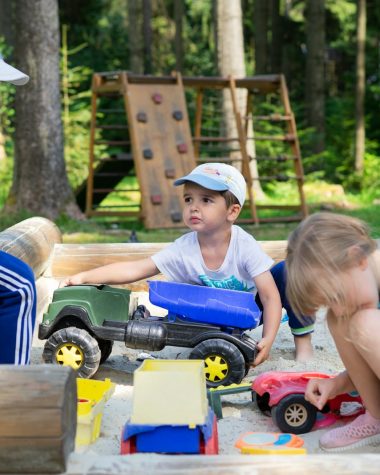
x=32, y=241
x=314, y=464
x=162, y=149
x=110, y=81
x=37, y=455
x=38, y=414
x=68, y=259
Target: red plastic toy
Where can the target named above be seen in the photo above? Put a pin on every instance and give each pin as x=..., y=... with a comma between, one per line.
x=282, y=395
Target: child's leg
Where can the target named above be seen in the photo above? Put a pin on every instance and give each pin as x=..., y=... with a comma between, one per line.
x=17, y=310
x=301, y=328
x=358, y=343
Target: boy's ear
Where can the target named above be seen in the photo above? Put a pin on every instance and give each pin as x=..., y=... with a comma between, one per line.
x=234, y=212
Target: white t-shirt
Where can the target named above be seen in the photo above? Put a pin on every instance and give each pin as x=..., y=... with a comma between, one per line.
x=182, y=261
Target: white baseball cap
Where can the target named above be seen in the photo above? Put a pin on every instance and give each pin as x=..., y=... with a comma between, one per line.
x=10, y=74
x=217, y=177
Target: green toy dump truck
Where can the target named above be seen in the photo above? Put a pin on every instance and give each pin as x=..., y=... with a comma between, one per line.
x=82, y=322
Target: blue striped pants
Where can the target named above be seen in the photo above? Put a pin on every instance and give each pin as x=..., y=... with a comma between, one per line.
x=17, y=310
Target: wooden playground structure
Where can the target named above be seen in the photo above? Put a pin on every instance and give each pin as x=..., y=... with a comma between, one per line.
x=141, y=127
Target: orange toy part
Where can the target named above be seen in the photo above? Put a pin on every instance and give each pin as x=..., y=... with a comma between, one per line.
x=270, y=442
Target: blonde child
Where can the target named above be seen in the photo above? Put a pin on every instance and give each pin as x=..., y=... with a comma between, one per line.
x=215, y=253
x=333, y=263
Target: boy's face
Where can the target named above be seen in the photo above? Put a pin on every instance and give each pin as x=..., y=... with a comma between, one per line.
x=206, y=210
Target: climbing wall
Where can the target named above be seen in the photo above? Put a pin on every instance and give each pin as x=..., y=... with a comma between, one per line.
x=162, y=148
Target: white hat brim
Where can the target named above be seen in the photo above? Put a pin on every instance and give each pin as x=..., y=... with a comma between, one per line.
x=10, y=74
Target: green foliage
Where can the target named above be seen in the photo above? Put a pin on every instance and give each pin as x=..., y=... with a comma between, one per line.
x=7, y=93
x=97, y=40
x=76, y=112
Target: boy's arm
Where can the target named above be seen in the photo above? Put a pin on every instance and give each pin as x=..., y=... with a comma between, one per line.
x=270, y=299
x=115, y=273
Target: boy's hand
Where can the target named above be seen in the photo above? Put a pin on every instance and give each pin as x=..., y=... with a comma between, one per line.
x=263, y=348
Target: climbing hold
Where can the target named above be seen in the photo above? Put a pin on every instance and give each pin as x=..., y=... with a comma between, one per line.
x=176, y=216
x=182, y=148
x=177, y=115
x=157, y=98
x=156, y=199
x=142, y=117
x=170, y=173
x=148, y=153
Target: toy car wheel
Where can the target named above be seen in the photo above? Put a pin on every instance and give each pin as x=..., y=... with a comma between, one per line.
x=224, y=362
x=294, y=414
x=105, y=347
x=262, y=402
x=73, y=347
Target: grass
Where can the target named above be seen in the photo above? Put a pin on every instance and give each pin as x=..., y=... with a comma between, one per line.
x=319, y=196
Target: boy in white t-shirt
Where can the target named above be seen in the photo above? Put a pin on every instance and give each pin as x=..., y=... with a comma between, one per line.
x=215, y=253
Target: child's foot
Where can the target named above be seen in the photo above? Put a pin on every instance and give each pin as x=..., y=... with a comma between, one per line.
x=364, y=430
x=304, y=348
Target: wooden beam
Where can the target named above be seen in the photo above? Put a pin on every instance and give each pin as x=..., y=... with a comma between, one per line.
x=38, y=413
x=313, y=464
x=32, y=241
x=68, y=259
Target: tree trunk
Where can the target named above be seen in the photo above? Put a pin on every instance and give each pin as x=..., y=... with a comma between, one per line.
x=315, y=71
x=6, y=25
x=40, y=182
x=277, y=40
x=135, y=37
x=231, y=62
x=147, y=32
x=261, y=35
x=360, y=88
x=178, y=47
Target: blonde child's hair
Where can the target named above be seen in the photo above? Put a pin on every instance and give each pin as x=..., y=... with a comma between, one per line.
x=320, y=249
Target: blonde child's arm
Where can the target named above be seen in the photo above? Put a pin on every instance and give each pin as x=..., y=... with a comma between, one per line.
x=115, y=273
x=270, y=299
x=319, y=391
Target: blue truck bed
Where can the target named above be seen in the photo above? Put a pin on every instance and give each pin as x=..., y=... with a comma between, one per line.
x=203, y=304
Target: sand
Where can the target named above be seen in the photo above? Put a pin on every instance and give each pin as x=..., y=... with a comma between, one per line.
x=239, y=413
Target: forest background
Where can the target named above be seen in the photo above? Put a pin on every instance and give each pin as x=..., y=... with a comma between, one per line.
x=328, y=50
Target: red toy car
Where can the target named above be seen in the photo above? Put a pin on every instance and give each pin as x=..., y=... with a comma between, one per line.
x=282, y=394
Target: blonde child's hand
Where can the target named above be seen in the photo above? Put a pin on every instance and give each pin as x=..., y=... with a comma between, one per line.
x=319, y=391
x=263, y=348
x=72, y=280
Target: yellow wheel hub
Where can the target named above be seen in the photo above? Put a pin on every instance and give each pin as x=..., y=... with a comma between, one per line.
x=296, y=415
x=70, y=355
x=216, y=368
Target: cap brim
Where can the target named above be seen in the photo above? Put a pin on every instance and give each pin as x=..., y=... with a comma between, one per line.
x=10, y=74
x=202, y=180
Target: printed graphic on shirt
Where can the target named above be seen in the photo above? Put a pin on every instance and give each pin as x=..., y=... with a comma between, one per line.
x=231, y=283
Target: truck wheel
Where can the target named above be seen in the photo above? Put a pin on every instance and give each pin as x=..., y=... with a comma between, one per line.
x=105, y=347
x=73, y=347
x=294, y=414
x=224, y=363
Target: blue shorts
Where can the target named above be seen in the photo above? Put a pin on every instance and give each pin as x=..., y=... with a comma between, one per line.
x=17, y=310
x=299, y=326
